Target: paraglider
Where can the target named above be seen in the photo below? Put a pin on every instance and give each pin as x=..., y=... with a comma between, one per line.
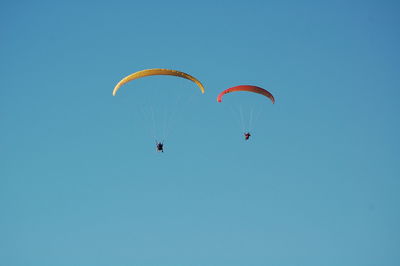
x=248, y=88
x=159, y=146
x=166, y=116
x=154, y=72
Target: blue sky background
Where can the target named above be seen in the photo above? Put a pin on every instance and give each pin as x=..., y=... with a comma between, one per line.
x=317, y=184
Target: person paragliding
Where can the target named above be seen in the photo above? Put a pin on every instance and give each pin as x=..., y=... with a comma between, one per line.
x=159, y=146
x=247, y=88
x=156, y=72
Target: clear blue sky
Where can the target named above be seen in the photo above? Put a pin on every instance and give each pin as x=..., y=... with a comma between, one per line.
x=318, y=184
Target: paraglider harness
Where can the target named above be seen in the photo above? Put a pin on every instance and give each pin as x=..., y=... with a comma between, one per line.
x=247, y=135
x=160, y=146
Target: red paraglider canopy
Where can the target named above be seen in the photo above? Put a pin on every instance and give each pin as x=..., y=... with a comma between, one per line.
x=250, y=88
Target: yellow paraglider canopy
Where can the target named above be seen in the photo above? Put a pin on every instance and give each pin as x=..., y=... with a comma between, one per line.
x=156, y=71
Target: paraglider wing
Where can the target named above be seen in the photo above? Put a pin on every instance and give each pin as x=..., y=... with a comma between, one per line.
x=250, y=88
x=157, y=71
